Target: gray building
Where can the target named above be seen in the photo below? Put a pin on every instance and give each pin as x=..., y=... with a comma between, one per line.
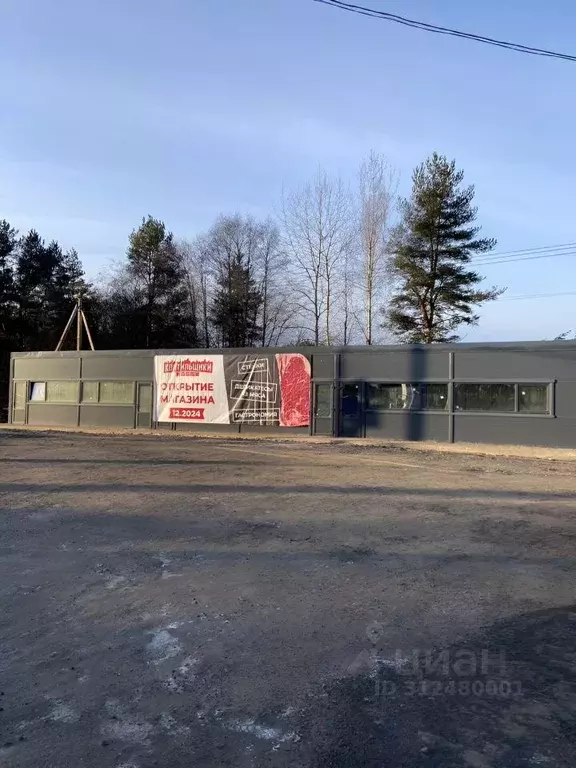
x=516, y=393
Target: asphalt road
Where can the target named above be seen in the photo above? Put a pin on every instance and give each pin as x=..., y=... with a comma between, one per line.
x=183, y=602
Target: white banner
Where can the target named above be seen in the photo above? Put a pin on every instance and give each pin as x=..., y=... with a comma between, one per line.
x=254, y=388
x=191, y=388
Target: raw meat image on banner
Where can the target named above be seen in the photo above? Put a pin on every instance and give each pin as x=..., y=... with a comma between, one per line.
x=267, y=389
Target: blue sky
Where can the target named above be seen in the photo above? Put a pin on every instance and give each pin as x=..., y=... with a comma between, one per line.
x=189, y=108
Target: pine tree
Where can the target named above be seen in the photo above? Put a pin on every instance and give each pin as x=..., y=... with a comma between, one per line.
x=236, y=304
x=46, y=284
x=8, y=240
x=154, y=298
x=431, y=252
x=34, y=269
x=67, y=282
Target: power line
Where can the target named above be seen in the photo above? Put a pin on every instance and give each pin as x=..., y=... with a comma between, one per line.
x=538, y=249
x=373, y=13
x=475, y=264
x=538, y=296
x=528, y=251
x=489, y=262
x=511, y=257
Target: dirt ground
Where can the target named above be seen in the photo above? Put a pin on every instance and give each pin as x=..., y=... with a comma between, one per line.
x=205, y=603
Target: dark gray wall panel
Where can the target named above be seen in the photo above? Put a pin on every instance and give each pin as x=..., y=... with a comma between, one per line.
x=251, y=429
x=407, y=426
x=44, y=415
x=565, y=399
x=525, y=364
x=42, y=369
x=225, y=429
x=322, y=366
x=111, y=368
x=402, y=365
x=515, y=430
x=106, y=416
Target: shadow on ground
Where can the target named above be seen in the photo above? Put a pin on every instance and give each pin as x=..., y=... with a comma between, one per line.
x=519, y=711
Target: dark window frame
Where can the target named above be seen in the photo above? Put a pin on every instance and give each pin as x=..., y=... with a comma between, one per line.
x=548, y=384
x=421, y=399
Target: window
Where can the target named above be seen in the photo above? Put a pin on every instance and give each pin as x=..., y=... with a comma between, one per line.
x=350, y=399
x=484, y=397
x=434, y=397
x=502, y=398
x=117, y=392
x=533, y=398
x=323, y=409
x=145, y=398
x=414, y=397
x=110, y=392
x=89, y=391
x=37, y=391
x=61, y=391
x=474, y=397
x=386, y=397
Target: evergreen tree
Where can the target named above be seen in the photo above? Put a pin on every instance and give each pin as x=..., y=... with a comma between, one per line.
x=66, y=284
x=431, y=253
x=35, y=266
x=8, y=240
x=236, y=304
x=153, y=299
x=46, y=284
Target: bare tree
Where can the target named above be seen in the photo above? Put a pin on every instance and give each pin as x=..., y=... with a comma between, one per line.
x=347, y=296
x=276, y=312
x=237, y=253
x=378, y=183
x=194, y=259
x=317, y=221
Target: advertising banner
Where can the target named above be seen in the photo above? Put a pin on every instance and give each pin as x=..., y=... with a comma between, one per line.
x=256, y=388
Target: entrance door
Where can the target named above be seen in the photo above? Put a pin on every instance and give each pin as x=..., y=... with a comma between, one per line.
x=351, y=409
x=144, y=406
x=323, y=408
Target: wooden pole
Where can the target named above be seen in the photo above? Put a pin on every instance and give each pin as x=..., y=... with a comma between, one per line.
x=87, y=330
x=68, y=326
x=79, y=324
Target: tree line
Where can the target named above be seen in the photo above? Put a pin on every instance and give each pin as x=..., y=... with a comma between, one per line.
x=339, y=264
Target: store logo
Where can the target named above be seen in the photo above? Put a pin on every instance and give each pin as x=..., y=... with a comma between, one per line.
x=188, y=367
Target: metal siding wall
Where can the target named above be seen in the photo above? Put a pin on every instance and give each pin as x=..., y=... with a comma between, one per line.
x=523, y=366
x=251, y=429
x=182, y=426
x=515, y=365
x=117, y=367
x=399, y=425
x=107, y=416
x=42, y=369
x=52, y=415
x=322, y=366
x=406, y=365
x=556, y=363
x=565, y=399
x=515, y=430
